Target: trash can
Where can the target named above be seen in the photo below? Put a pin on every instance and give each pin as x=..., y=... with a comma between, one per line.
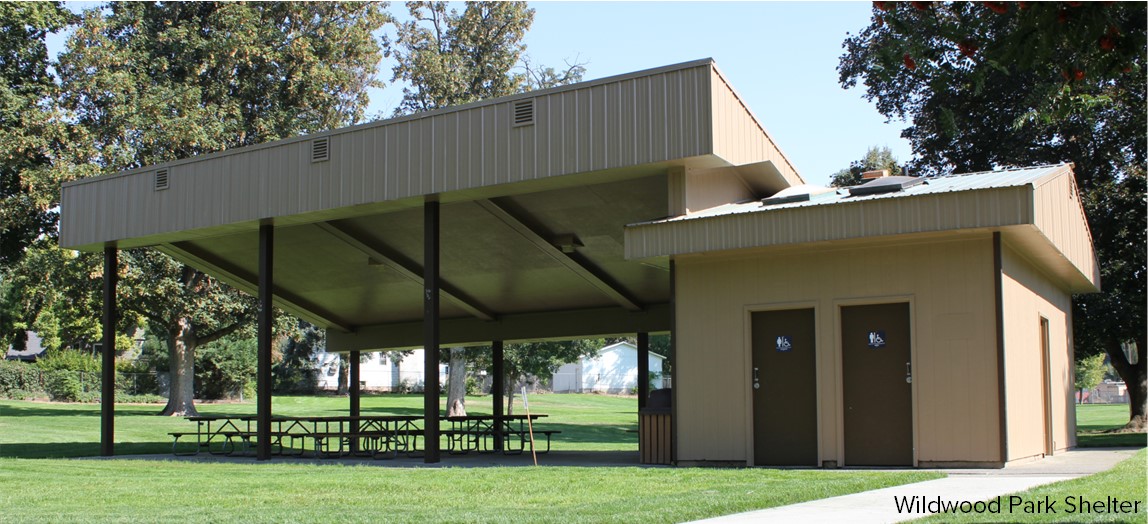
x=655, y=429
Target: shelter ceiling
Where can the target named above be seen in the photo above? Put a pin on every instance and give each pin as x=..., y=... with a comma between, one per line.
x=498, y=256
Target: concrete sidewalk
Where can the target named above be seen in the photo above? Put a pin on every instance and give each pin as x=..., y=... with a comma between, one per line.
x=879, y=506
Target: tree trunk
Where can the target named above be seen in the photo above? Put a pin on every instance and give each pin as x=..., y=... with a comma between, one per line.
x=1135, y=378
x=344, y=376
x=181, y=346
x=456, y=384
x=511, y=387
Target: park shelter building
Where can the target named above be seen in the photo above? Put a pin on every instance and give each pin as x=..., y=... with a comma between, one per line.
x=904, y=322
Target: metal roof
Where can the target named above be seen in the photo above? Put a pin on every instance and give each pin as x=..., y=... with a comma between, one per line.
x=931, y=186
x=1037, y=208
x=532, y=213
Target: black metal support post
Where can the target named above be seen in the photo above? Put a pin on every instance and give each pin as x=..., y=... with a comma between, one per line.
x=430, y=331
x=108, y=372
x=353, y=388
x=265, y=320
x=497, y=387
x=353, y=393
x=673, y=351
x=643, y=369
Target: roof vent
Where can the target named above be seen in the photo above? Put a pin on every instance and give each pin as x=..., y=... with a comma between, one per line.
x=888, y=184
x=773, y=200
x=321, y=149
x=161, y=180
x=524, y=112
x=798, y=193
x=870, y=175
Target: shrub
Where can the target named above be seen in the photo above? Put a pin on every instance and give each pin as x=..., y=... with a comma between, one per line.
x=69, y=359
x=139, y=399
x=20, y=394
x=225, y=367
x=136, y=378
x=19, y=376
x=63, y=385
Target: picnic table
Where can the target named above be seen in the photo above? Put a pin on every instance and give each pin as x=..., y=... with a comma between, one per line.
x=483, y=433
x=377, y=436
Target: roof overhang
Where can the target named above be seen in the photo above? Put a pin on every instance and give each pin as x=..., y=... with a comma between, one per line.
x=1029, y=208
x=532, y=215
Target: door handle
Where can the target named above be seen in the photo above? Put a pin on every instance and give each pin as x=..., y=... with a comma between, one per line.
x=908, y=372
x=756, y=381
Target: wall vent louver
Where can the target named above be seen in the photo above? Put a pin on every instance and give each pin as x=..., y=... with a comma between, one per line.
x=524, y=112
x=161, y=179
x=321, y=149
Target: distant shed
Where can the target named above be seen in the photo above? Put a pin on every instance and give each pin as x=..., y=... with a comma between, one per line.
x=613, y=369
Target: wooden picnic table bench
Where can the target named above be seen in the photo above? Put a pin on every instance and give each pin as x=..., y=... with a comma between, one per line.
x=380, y=435
x=482, y=432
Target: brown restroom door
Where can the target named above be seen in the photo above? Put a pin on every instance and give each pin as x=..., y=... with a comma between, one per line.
x=784, y=388
x=878, y=396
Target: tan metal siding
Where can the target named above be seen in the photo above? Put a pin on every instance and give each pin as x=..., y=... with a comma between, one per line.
x=739, y=137
x=951, y=288
x=656, y=116
x=1060, y=216
x=707, y=188
x=798, y=225
x=1029, y=295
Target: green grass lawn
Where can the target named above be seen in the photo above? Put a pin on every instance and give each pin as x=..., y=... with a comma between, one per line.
x=46, y=430
x=53, y=490
x=1125, y=482
x=98, y=490
x=1093, y=419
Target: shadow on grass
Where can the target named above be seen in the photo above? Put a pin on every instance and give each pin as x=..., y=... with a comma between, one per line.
x=70, y=410
x=1090, y=439
x=78, y=449
x=590, y=434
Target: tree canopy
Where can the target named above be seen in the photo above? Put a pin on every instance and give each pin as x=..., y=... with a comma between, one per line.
x=29, y=132
x=524, y=362
x=449, y=58
x=146, y=83
x=995, y=84
x=876, y=158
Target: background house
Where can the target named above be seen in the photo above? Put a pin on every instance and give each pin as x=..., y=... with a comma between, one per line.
x=32, y=349
x=613, y=370
x=378, y=371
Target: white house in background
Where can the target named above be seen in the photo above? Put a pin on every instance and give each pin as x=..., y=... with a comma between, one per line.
x=378, y=371
x=613, y=370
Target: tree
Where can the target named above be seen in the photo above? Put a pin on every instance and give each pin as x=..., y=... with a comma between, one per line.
x=56, y=294
x=1089, y=373
x=28, y=132
x=449, y=58
x=996, y=84
x=876, y=158
x=526, y=362
x=295, y=371
x=227, y=367
x=153, y=82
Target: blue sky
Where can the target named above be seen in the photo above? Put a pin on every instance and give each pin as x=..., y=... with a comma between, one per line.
x=781, y=57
